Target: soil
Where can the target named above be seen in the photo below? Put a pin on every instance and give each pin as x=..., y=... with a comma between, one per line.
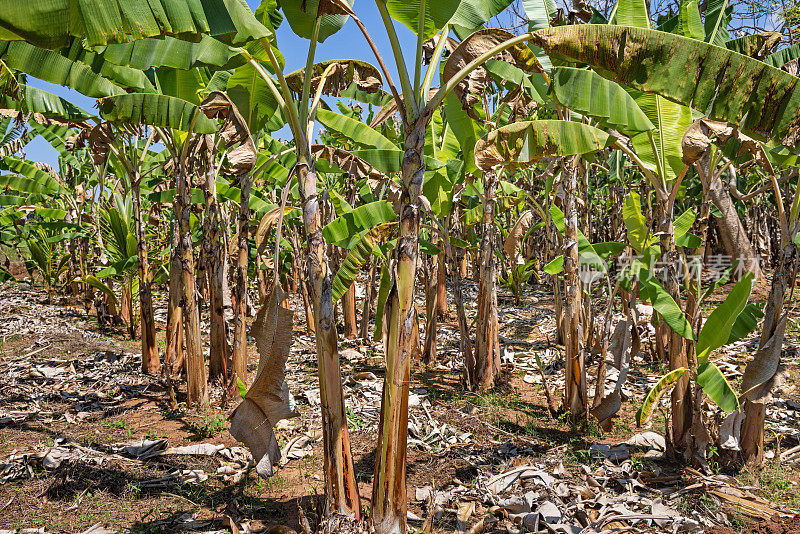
x=74, y=497
x=774, y=525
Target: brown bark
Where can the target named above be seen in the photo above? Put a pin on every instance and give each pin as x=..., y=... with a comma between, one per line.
x=173, y=358
x=340, y=485
x=673, y=343
x=485, y=369
x=216, y=259
x=734, y=236
x=196, y=390
x=441, y=283
x=431, y=298
x=349, y=312
x=763, y=372
x=367, y=309
x=576, y=395
x=389, y=499
x=240, y=308
x=150, y=361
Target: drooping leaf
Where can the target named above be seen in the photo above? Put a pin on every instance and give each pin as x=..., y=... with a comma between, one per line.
x=590, y=94
x=51, y=24
x=471, y=88
x=301, y=16
x=522, y=143
x=156, y=110
x=268, y=400
x=341, y=74
x=52, y=67
x=726, y=86
x=645, y=411
x=512, y=242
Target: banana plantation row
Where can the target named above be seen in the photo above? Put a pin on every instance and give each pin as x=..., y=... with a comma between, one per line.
x=620, y=161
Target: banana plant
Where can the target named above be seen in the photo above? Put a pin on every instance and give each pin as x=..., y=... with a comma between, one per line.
x=732, y=320
x=44, y=255
x=762, y=102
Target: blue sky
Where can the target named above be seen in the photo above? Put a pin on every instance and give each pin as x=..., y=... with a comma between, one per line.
x=347, y=43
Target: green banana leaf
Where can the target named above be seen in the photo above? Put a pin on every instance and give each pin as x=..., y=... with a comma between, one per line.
x=31, y=179
x=51, y=24
x=301, y=16
x=384, y=287
x=35, y=100
x=635, y=222
x=356, y=258
x=718, y=16
x=100, y=286
x=52, y=67
x=436, y=14
x=782, y=57
x=664, y=304
x=170, y=52
x=590, y=94
x=717, y=329
x=714, y=384
x=346, y=230
x=762, y=100
x=356, y=131
x=252, y=97
x=156, y=110
x=745, y=323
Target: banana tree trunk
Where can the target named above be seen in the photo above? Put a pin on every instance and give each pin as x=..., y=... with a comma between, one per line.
x=240, y=310
x=431, y=297
x=173, y=358
x=220, y=352
x=463, y=328
x=734, y=236
x=367, y=309
x=150, y=362
x=441, y=283
x=576, y=394
x=389, y=498
x=197, y=392
x=349, y=312
x=762, y=373
x=340, y=484
x=681, y=401
x=485, y=369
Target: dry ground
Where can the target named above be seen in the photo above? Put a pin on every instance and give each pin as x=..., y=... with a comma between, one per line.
x=96, y=399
